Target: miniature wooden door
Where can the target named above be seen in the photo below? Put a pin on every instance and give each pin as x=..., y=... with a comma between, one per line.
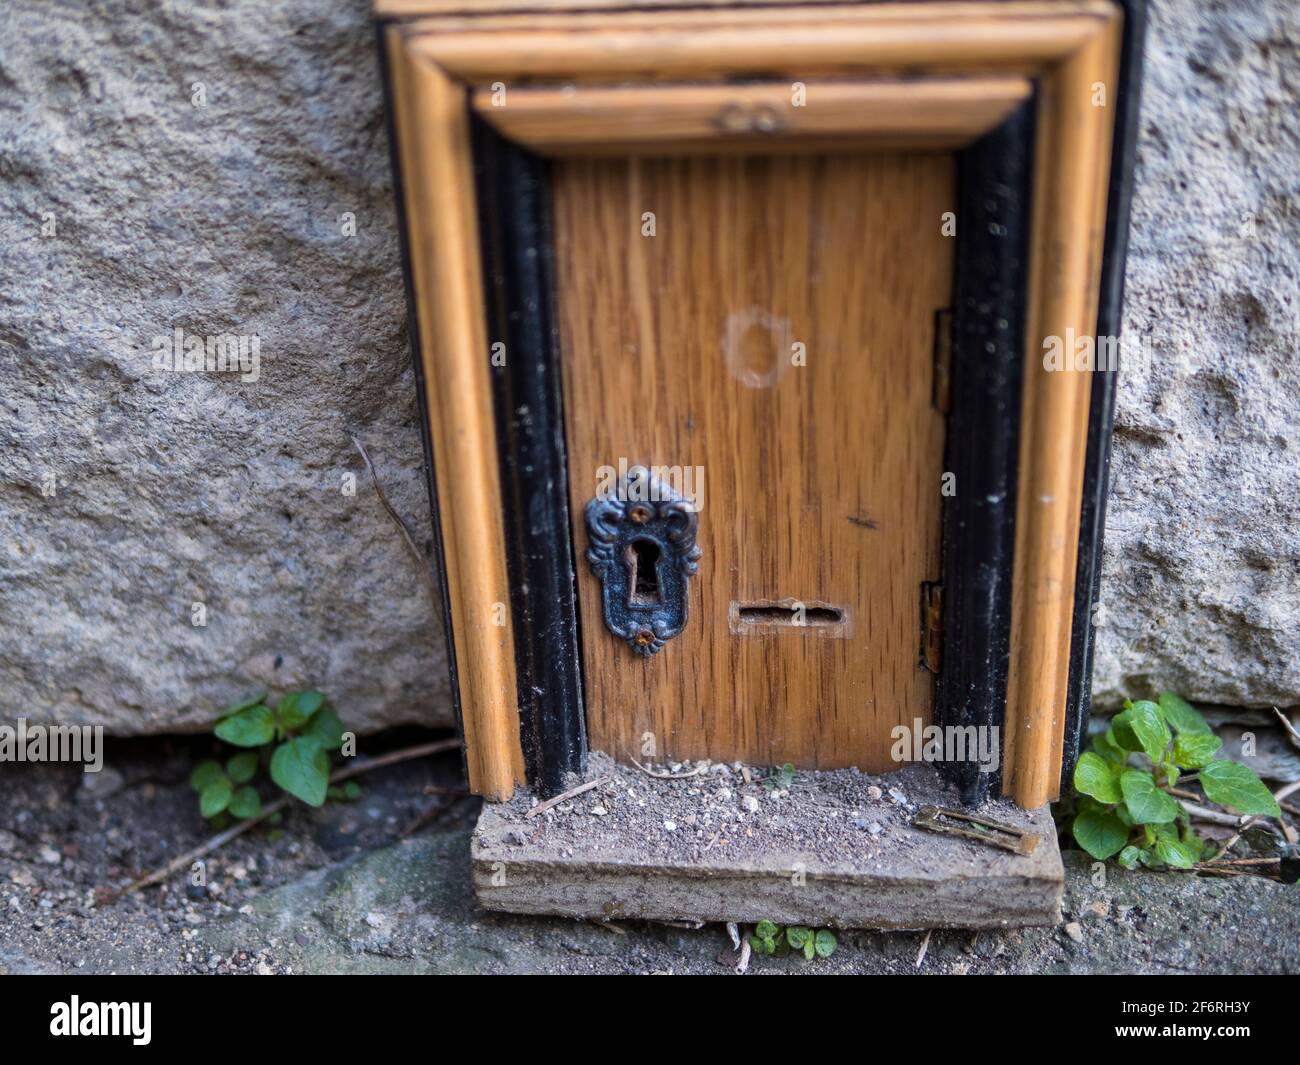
x=800, y=262
x=759, y=333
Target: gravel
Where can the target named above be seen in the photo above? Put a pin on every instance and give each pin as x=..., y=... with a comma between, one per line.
x=841, y=815
x=64, y=840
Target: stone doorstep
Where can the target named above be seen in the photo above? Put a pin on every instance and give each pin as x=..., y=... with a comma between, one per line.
x=939, y=883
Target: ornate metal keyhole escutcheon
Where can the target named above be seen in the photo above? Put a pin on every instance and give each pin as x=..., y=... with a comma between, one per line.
x=642, y=549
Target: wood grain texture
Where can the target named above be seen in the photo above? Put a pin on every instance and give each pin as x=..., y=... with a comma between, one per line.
x=438, y=188
x=1073, y=162
x=821, y=481
x=933, y=38
x=415, y=8
x=766, y=117
x=672, y=10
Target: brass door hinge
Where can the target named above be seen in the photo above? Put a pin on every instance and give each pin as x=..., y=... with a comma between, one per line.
x=931, y=625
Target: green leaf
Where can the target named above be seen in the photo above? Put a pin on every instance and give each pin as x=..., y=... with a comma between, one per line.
x=1165, y=831
x=234, y=708
x=302, y=767
x=765, y=930
x=1104, y=744
x=204, y=774
x=296, y=707
x=1129, y=857
x=1178, y=854
x=351, y=791
x=250, y=727
x=1195, y=749
x=246, y=802
x=242, y=766
x=326, y=728
x=1146, y=803
x=797, y=936
x=1233, y=784
x=824, y=943
x=809, y=950
x=1093, y=776
x=1100, y=834
x=1087, y=802
x=215, y=797
x=1121, y=731
x=1144, y=722
x=1182, y=715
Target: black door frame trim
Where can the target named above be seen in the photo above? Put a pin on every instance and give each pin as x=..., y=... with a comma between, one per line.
x=987, y=344
x=513, y=196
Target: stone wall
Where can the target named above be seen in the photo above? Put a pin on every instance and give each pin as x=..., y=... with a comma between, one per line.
x=223, y=169
x=181, y=488
x=1201, y=582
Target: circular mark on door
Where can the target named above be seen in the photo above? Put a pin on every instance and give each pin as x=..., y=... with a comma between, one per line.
x=756, y=345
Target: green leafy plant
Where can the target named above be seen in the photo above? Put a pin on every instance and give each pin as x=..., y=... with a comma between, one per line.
x=1124, y=808
x=292, y=741
x=779, y=778
x=773, y=939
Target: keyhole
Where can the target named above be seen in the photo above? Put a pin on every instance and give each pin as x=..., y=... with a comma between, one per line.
x=643, y=561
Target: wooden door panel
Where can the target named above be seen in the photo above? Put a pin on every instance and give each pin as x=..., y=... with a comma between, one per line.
x=821, y=471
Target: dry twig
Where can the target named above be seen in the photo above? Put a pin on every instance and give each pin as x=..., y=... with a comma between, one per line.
x=1213, y=817
x=1216, y=862
x=743, y=964
x=925, y=946
x=669, y=776
x=1287, y=832
x=542, y=807
x=434, y=597
x=1290, y=728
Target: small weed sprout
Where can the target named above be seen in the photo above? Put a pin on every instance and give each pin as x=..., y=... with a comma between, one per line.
x=772, y=939
x=1124, y=808
x=779, y=778
x=292, y=741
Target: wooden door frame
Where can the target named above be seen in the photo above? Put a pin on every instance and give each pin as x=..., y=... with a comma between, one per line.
x=1041, y=239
